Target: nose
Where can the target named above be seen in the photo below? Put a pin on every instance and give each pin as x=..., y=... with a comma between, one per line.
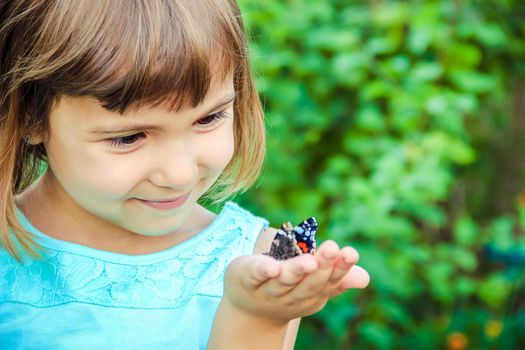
x=175, y=166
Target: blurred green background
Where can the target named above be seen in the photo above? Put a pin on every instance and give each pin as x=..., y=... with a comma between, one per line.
x=401, y=126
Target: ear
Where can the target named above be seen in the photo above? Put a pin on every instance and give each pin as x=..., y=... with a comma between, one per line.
x=34, y=137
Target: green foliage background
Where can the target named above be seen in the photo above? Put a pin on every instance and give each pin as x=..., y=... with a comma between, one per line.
x=401, y=126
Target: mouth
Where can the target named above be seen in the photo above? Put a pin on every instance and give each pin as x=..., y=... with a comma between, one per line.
x=166, y=204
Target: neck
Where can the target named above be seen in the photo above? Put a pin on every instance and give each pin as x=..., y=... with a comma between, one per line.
x=49, y=209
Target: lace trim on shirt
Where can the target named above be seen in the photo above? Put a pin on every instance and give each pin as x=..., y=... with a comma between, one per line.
x=197, y=270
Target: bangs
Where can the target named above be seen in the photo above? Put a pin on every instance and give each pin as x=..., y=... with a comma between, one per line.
x=131, y=53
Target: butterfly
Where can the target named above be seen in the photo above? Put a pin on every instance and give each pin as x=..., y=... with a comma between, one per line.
x=292, y=241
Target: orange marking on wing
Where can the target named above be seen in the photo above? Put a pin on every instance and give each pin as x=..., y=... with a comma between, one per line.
x=303, y=247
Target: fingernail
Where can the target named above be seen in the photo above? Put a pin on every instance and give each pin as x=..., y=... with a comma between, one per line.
x=348, y=259
x=329, y=257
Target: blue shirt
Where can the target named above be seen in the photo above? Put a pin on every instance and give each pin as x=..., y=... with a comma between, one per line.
x=83, y=298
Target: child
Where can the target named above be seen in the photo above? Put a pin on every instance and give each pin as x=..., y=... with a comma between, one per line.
x=140, y=108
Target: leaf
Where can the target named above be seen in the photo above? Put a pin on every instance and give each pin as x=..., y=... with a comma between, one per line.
x=494, y=291
x=370, y=118
x=472, y=81
x=466, y=232
x=375, y=333
x=349, y=67
x=501, y=232
x=465, y=259
x=426, y=71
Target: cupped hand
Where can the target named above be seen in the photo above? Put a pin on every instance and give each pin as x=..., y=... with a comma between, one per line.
x=283, y=290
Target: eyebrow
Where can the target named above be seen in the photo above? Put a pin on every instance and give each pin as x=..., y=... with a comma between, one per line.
x=137, y=126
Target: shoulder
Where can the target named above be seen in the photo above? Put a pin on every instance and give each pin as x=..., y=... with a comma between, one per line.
x=246, y=227
x=264, y=240
x=242, y=217
x=258, y=227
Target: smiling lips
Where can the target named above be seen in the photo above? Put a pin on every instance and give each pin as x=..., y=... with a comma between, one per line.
x=167, y=204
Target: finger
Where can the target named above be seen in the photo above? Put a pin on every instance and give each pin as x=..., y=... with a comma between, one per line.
x=292, y=272
x=254, y=270
x=315, y=282
x=327, y=254
x=357, y=277
x=347, y=258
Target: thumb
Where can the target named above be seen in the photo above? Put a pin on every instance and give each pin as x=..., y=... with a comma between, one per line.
x=252, y=270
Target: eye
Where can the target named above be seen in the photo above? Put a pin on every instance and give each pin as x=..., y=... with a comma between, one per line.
x=212, y=119
x=125, y=141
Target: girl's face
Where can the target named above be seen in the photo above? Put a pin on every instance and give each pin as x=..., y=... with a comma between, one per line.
x=140, y=172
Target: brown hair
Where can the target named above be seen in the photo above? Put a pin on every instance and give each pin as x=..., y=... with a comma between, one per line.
x=125, y=53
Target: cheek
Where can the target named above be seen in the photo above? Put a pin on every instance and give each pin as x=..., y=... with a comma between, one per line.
x=110, y=180
x=218, y=150
x=85, y=173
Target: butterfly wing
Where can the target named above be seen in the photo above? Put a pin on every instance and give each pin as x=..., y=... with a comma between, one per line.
x=305, y=235
x=292, y=241
x=284, y=245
